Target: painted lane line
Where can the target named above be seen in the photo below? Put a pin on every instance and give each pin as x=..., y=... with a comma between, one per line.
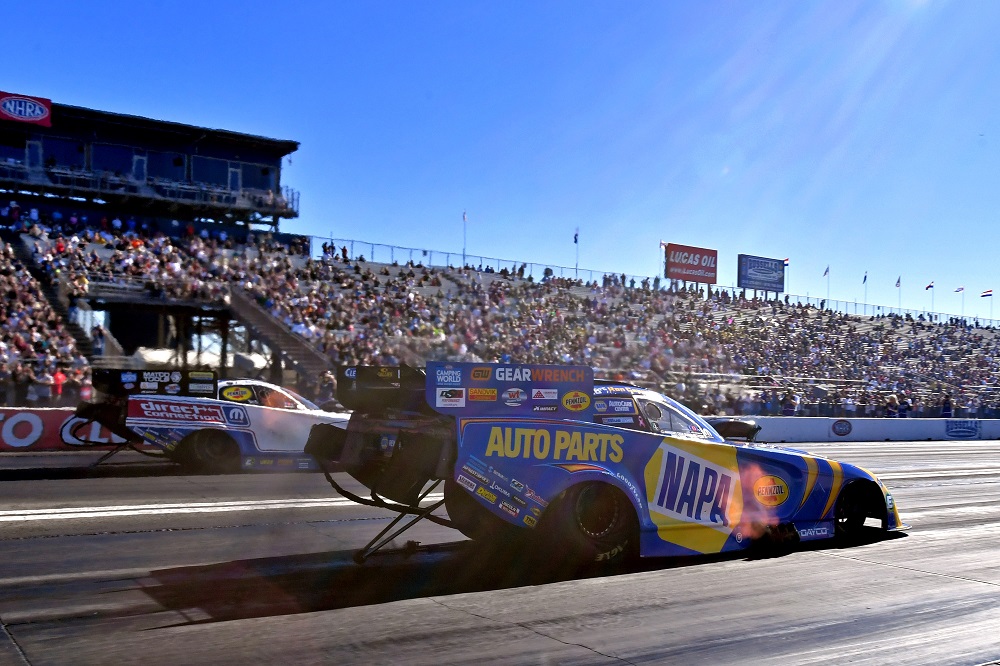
x=177, y=509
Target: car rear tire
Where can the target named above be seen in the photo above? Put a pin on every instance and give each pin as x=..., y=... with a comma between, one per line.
x=591, y=524
x=208, y=452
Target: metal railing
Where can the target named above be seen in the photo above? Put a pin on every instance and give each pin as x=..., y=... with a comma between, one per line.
x=388, y=254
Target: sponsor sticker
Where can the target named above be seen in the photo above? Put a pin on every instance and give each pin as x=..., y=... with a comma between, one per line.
x=159, y=377
x=482, y=394
x=450, y=397
x=545, y=408
x=770, y=490
x=200, y=376
x=148, y=386
x=448, y=376
x=544, y=394
x=466, y=483
x=509, y=509
x=486, y=495
x=175, y=411
x=841, y=427
x=576, y=401
x=129, y=386
x=618, y=420
x=351, y=373
x=621, y=406
x=175, y=376
x=201, y=388
x=481, y=374
x=236, y=393
x=600, y=406
x=963, y=429
x=475, y=474
x=384, y=373
x=130, y=377
x=172, y=389
x=530, y=521
x=236, y=416
x=514, y=397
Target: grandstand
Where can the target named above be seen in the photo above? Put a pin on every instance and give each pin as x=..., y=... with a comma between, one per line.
x=124, y=234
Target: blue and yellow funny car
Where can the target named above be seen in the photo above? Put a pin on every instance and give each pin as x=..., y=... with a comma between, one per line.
x=603, y=470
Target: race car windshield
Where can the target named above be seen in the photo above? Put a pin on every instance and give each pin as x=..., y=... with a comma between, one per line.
x=675, y=418
x=308, y=404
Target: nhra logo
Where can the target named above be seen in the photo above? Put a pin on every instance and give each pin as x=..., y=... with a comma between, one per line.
x=576, y=401
x=770, y=490
x=23, y=108
x=842, y=428
x=513, y=397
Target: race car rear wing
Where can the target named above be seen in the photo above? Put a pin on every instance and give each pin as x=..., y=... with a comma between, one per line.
x=372, y=388
x=186, y=383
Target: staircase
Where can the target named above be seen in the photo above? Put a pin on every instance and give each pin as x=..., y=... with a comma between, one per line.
x=52, y=294
x=307, y=361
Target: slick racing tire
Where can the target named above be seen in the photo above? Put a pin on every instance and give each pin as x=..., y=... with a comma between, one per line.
x=208, y=452
x=591, y=524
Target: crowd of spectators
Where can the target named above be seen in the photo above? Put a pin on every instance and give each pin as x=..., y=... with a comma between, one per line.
x=719, y=351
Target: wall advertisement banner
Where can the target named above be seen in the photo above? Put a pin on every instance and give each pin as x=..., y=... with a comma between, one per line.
x=693, y=264
x=56, y=429
x=760, y=273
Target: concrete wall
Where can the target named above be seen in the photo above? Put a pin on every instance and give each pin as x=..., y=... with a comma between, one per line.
x=821, y=429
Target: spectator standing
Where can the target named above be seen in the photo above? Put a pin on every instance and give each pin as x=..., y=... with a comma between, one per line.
x=43, y=385
x=946, y=406
x=58, y=380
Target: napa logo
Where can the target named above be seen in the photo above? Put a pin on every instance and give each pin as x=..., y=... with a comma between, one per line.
x=693, y=489
x=770, y=490
x=24, y=108
x=576, y=401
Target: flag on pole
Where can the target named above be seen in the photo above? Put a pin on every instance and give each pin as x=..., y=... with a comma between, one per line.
x=786, y=262
x=576, y=237
x=960, y=290
x=897, y=281
x=663, y=244
x=987, y=293
x=464, y=218
x=930, y=286
x=827, y=271
x=864, y=280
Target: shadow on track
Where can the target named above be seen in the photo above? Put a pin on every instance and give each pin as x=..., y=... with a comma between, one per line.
x=266, y=587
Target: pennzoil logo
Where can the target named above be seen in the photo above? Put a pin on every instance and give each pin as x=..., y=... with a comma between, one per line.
x=237, y=393
x=576, y=401
x=770, y=490
x=481, y=374
x=486, y=495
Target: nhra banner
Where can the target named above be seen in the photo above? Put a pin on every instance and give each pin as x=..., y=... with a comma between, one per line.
x=760, y=273
x=24, y=109
x=694, y=264
x=56, y=429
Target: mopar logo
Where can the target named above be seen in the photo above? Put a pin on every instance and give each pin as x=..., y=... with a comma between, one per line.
x=23, y=108
x=963, y=429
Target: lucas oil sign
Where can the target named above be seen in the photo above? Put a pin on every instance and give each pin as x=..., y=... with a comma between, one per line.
x=693, y=264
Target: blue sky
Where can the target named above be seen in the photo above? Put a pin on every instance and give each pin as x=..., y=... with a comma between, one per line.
x=860, y=135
